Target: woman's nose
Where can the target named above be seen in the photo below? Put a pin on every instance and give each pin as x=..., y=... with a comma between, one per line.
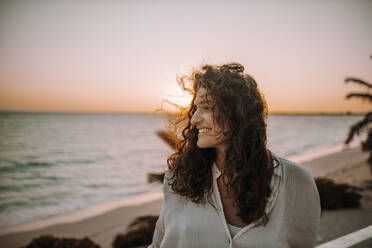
x=195, y=118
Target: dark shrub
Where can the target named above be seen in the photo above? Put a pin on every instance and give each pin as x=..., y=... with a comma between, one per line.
x=49, y=241
x=139, y=233
x=335, y=196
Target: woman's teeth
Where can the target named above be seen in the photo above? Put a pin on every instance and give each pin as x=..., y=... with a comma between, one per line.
x=204, y=130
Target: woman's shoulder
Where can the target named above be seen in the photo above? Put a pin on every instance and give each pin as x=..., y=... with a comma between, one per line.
x=294, y=172
x=302, y=204
x=299, y=183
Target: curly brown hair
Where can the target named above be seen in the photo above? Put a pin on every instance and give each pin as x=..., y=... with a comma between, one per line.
x=239, y=105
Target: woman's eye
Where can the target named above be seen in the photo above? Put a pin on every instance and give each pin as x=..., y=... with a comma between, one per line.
x=204, y=108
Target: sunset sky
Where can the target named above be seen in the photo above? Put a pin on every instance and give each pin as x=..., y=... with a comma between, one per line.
x=125, y=56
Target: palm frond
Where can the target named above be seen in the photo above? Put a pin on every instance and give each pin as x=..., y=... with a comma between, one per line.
x=357, y=127
x=367, y=144
x=363, y=96
x=358, y=81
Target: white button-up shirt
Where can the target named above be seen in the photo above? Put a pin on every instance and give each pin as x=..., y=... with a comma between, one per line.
x=293, y=210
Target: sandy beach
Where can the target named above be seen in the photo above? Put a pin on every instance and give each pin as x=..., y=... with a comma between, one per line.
x=347, y=166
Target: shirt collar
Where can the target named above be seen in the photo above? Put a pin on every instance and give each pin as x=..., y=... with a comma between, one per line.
x=216, y=173
x=274, y=184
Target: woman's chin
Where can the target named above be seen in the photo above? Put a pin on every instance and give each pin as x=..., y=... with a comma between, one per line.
x=202, y=145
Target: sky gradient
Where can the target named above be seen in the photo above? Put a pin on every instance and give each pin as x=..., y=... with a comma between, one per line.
x=125, y=56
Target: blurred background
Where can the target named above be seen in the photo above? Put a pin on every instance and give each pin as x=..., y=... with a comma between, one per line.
x=80, y=83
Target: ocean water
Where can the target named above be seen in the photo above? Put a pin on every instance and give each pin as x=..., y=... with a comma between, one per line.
x=54, y=164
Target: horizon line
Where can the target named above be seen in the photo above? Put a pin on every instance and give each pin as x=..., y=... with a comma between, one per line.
x=157, y=112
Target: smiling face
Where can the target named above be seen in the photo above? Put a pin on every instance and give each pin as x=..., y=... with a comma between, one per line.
x=210, y=134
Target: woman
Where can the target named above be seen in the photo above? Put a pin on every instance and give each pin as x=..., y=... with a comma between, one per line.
x=224, y=188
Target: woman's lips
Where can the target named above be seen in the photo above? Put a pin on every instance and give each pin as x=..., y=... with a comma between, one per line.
x=203, y=130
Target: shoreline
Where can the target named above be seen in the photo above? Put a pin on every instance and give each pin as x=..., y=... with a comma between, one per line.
x=103, y=222
x=322, y=152
x=101, y=229
x=85, y=213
